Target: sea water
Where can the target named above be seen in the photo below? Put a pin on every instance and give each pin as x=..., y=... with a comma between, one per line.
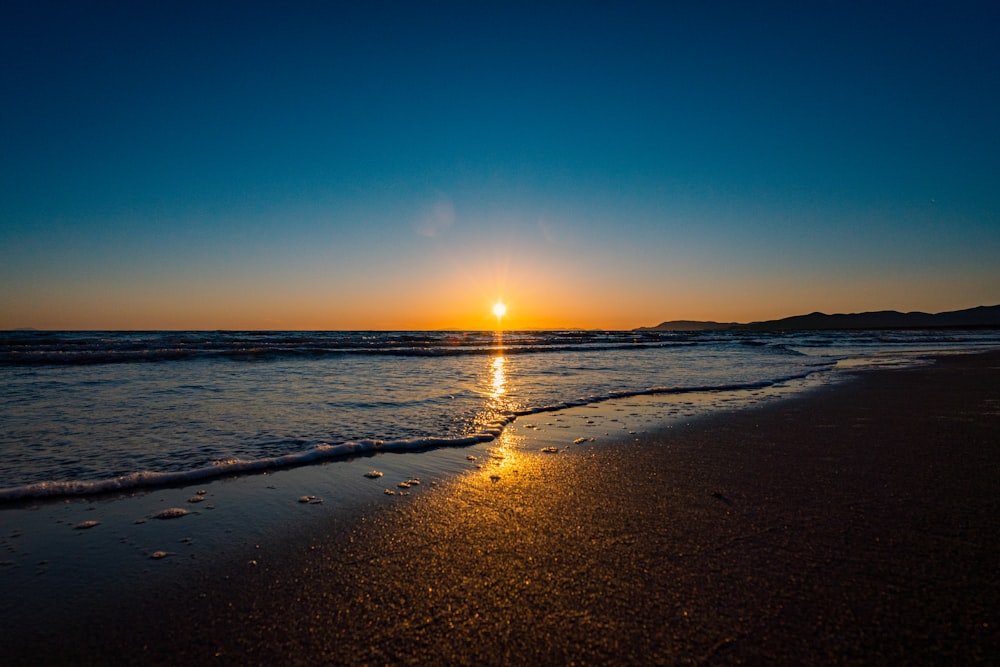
x=91, y=412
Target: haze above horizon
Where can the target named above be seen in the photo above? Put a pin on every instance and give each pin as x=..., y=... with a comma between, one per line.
x=395, y=165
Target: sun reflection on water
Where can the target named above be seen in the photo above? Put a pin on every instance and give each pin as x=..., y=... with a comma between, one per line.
x=498, y=380
x=496, y=390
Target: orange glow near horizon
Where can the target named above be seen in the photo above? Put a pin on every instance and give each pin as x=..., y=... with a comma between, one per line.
x=450, y=296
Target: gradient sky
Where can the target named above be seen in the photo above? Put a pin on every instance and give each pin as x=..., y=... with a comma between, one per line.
x=401, y=165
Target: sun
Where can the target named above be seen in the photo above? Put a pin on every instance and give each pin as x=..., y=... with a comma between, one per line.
x=499, y=309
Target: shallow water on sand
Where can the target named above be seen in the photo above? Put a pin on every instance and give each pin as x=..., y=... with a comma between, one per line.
x=92, y=412
x=66, y=552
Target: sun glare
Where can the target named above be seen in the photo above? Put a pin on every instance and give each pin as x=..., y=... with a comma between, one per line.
x=499, y=309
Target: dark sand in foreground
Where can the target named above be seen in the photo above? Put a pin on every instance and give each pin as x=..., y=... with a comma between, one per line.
x=859, y=524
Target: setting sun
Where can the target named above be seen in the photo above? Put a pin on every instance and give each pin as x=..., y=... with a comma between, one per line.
x=499, y=309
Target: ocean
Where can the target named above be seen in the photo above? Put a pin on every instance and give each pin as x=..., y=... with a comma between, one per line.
x=92, y=412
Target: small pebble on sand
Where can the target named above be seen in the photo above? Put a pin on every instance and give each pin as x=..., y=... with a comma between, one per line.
x=171, y=513
x=373, y=474
x=86, y=524
x=550, y=450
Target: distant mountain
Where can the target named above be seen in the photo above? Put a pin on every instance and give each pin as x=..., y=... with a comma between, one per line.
x=982, y=316
x=690, y=325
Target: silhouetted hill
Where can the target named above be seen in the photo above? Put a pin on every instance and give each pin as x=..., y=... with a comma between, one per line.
x=690, y=325
x=981, y=316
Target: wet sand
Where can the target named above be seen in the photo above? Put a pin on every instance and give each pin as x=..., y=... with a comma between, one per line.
x=857, y=524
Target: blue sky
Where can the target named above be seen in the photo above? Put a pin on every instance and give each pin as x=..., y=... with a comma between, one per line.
x=405, y=164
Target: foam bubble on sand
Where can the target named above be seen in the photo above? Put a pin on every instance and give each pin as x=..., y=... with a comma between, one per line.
x=83, y=525
x=171, y=513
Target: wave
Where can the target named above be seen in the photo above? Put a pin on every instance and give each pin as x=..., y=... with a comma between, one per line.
x=323, y=452
x=86, y=348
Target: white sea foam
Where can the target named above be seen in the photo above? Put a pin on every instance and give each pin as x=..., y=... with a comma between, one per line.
x=323, y=451
x=83, y=416
x=320, y=452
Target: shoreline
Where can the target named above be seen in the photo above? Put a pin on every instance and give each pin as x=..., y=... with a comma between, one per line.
x=828, y=527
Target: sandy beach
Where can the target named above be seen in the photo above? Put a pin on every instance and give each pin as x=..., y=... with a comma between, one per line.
x=858, y=523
